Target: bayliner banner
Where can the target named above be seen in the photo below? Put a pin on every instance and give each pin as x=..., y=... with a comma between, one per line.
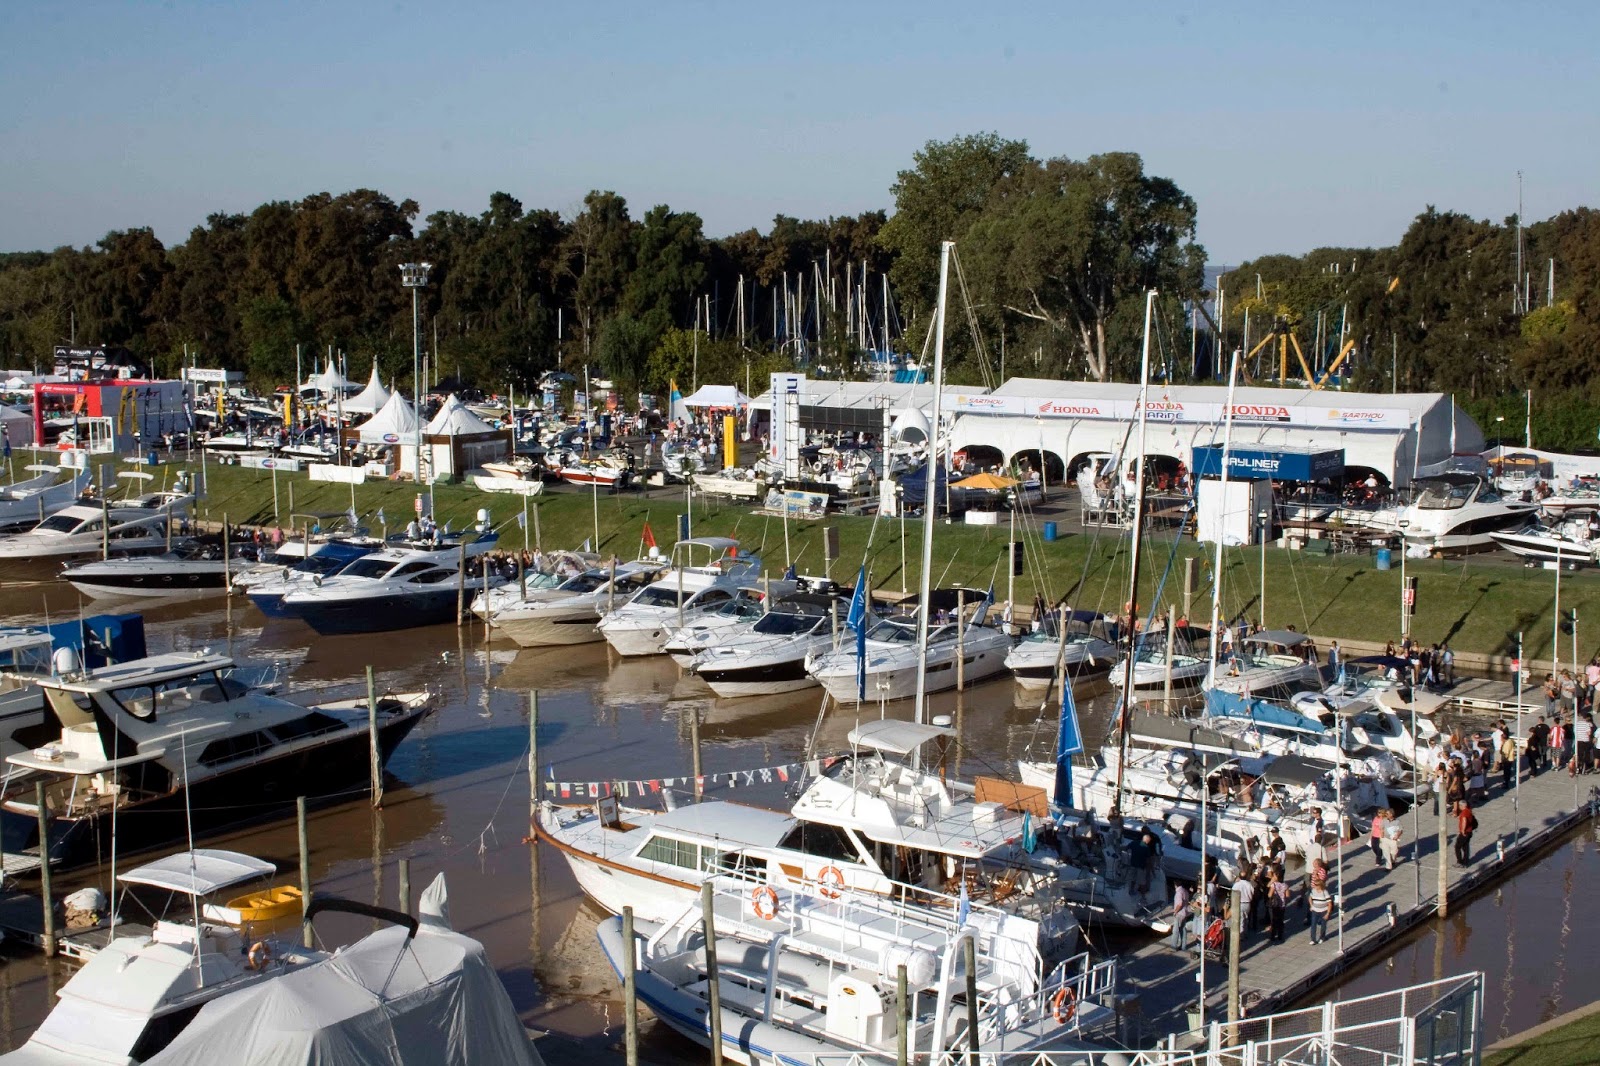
x=1165, y=409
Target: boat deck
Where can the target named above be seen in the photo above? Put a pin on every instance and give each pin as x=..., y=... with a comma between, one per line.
x=22, y=918
x=1274, y=977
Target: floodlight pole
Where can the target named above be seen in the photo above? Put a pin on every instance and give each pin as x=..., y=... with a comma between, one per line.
x=414, y=276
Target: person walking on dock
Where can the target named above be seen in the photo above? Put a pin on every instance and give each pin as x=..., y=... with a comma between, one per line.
x=1245, y=889
x=1277, y=905
x=1466, y=825
x=1321, y=909
x=1508, y=760
x=1538, y=753
x=1391, y=840
x=1379, y=820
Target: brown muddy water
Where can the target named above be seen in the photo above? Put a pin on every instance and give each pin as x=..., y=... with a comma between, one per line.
x=457, y=800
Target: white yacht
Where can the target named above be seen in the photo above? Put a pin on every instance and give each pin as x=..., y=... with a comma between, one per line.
x=727, y=621
x=136, y=994
x=408, y=584
x=32, y=500
x=1150, y=669
x=1458, y=513
x=193, y=569
x=893, y=655
x=548, y=571
x=159, y=735
x=871, y=822
x=1088, y=649
x=804, y=974
x=770, y=657
x=89, y=529
x=267, y=588
x=1272, y=662
x=568, y=612
x=705, y=572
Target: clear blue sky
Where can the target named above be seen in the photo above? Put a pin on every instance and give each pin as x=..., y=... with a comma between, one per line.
x=1293, y=125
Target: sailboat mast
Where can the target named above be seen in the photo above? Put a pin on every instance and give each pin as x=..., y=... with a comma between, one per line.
x=1222, y=512
x=930, y=500
x=1126, y=717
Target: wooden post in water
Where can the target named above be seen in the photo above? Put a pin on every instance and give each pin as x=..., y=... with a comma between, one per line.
x=1172, y=639
x=484, y=592
x=630, y=995
x=1235, y=927
x=902, y=1010
x=305, y=868
x=971, y=949
x=961, y=641
x=461, y=586
x=533, y=753
x=372, y=742
x=44, y=870
x=227, y=550
x=611, y=589
x=694, y=743
x=522, y=580
x=708, y=920
x=1444, y=861
x=405, y=885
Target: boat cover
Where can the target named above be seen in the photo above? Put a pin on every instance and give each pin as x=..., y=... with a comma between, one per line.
x=1229, y=705
x=434, y=1000
x=199, y=872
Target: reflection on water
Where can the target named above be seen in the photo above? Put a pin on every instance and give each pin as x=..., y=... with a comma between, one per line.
x=457, y=801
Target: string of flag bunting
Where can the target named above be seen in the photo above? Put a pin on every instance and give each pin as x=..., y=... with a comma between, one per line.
x=625, y=788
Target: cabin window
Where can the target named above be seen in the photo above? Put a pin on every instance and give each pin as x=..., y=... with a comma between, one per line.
x=412, y=568
x=230, y=749
x=145, y=702
x=675, y=852
x=312, y=725
x=823, y=841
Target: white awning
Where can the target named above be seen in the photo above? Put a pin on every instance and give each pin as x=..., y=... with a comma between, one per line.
x=716, y=396
x=894, y=737
x=199, y=872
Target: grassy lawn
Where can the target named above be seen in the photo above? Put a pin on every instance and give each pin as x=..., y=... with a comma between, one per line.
x=1570, y=1045
x=1476, y=606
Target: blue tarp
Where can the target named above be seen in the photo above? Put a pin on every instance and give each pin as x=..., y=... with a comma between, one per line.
x=99, y=639
x=1254, y=464
x=1228, y=705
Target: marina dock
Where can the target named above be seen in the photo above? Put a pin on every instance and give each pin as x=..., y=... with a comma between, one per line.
x=1379, y=906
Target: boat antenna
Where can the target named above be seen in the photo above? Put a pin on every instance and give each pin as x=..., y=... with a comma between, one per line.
x=1126, y=717
x=1222, y=511
x=930, y=500
x=111, y=887
x=194, y=875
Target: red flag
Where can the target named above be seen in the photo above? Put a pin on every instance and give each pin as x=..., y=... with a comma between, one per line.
x=648, y=537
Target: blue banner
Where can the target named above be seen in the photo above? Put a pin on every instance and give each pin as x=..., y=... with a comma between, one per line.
x=857, y=620
x=1069, y=742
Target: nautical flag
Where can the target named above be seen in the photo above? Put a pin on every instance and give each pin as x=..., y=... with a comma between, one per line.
x=675, y=408
x=1069, y=742
x=586, y=544
x=983, y=609
x=522, y=520
x=1030, y=837
x=964, y=907
x=789, y=573
x=857, y=620
x=382, y=521
x=648, y=537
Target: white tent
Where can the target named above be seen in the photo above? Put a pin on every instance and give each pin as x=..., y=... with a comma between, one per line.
x=458, y=440
x=328, y=382
x=455, y=419
x=371, y=399
x=717, y=396
x=396, y=423
x=19, y=427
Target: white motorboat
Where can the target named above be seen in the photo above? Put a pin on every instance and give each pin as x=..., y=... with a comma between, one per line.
x=770, y=657
x=1150, y=669
x=267, y=589
x=893, y=655
x=682, y=462
x=804, y=975
x=413, y=992
x=34, y=499
x=191, y=570
x=1281, y=729
x=729, y=620
x=705, y=572
x=519, y=475
x=1270, y=663
x=1570, y=542
x=136, y=737
x=89, y=529
x=735, y=483
x=408, y=584
x=296, y=550
x=139, y=991
x=547, y=571
x=1458, y=513
x=1088, y=650
x=569, y=612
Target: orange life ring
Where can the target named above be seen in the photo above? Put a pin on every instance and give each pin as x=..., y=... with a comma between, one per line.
x=831, y=876
x=764, y=901
x=260, y=955
x=1065, y=1005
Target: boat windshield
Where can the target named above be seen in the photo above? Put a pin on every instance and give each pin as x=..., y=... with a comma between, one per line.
x=785, y=624
x=1446, y=495
x=657, y=596
x=892, y=632
x=741, y=606
x=66, y=523
x=174, y=694
x=587, y=581
x=369, y=567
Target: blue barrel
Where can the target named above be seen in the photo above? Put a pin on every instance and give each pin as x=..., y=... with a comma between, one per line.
x=1383, y=558
x=1049, y=531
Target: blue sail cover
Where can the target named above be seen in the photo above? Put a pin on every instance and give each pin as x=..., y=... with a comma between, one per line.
x=1228, y=705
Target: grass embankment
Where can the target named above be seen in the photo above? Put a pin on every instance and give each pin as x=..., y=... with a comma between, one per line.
x=1571, y=1044
x=1475, y=606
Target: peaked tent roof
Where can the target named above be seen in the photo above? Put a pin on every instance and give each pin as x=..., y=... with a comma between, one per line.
x=455, y=419
x=329, y=381
x=396, y=420
x=716, y=396
x=371, y=399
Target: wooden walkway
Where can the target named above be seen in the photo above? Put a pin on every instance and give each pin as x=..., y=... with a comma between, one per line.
x=1494, y=697
x=1275, y=977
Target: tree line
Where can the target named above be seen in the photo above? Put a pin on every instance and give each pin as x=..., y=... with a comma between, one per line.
x=1053, y=258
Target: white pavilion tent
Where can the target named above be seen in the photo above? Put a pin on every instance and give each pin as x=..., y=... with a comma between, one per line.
x=371, y=399
x=458, y=440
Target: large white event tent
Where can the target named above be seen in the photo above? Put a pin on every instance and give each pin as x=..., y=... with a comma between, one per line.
x=1397, y=436
x=329, y=382
x=719, y=396
x=371, y=399
x=458, y=440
